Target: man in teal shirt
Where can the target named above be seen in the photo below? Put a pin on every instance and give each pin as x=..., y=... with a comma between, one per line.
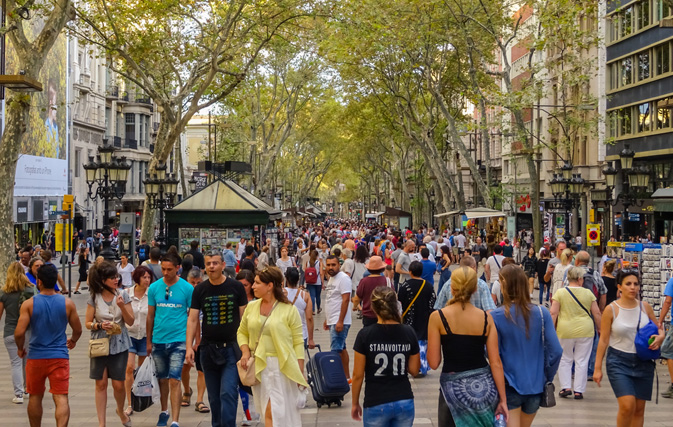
x=168, y=299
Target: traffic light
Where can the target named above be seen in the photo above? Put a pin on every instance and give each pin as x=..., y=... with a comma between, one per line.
x=68, y=204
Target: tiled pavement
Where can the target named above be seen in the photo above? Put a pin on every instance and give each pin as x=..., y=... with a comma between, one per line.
x=597, y=409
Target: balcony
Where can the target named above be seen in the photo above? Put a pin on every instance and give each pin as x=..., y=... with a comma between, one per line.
x=83, y=83
x=123, y=98
x=117, y=142
x=112, y=92
x=151, y=148
x=131, y=144
x=141, y=98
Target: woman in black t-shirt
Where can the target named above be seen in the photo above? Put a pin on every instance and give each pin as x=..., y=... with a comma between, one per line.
x=384, y=353
x=609, y=280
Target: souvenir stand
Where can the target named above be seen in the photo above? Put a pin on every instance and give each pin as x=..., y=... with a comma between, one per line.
x=221, y=212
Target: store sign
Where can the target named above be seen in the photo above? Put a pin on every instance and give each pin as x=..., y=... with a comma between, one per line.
x=634, y=217
x=21, y=211
x=593, y=234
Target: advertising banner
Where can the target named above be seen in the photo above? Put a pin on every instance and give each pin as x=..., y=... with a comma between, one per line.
x=42, y=168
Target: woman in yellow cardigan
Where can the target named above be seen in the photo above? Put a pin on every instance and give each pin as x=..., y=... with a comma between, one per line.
x=279, y=354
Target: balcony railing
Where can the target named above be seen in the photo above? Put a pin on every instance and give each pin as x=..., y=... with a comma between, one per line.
x=117, y=142
x=112, y=91
x=131, y=143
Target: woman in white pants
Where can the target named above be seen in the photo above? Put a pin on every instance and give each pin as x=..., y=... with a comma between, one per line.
x=576, y=314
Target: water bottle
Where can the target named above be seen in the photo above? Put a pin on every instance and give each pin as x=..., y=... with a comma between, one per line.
x=500, y=421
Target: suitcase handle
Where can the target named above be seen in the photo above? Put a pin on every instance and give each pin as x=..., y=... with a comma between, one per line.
x=309, y=353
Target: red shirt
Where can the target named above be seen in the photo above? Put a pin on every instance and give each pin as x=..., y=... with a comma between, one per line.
x=364, y=292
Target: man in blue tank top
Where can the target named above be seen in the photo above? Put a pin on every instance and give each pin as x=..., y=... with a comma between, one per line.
x=48, y=314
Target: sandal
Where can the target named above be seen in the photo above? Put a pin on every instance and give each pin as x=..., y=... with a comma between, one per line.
x=578, y=395
x=565, y=392
x=129, y=423
x=201, y=407
x=187, y=398
x=129, y=411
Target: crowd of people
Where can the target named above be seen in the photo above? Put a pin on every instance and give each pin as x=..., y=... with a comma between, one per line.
x=427, y=300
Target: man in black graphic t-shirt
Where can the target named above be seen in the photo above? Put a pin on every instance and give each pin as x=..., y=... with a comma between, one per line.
x=222, y=301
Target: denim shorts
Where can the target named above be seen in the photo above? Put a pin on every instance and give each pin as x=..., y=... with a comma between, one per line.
x=138, y=347
x=338, y=339
x=628, y=375
x=529, y=403
x=399, y=413
x=667, y=345
x=169, y=359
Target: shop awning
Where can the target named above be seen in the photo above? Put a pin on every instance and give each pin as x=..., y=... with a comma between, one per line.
x=474, y=213
x=663, y=193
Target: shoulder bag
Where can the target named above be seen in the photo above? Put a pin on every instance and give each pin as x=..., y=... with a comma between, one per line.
x=642, y=339
x=583, y=308
x=548, y=398
x=247, y=374
x=99, y=347
x=414, y=300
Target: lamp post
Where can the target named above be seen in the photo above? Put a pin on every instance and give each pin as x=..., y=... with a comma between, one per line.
x=635, y=181
x=567, y=187
x=161, y=189
x=110, y=175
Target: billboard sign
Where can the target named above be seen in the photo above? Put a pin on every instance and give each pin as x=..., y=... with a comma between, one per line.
x=42, y=168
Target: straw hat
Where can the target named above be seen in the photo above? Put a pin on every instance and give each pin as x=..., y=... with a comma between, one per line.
x=375, y=263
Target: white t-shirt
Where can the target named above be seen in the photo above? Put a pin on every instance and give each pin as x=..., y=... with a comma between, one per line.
x=495, y=290
x=495, y=267
x=125, y=273
x=335, y=288
x=460, y=241
x=348, y=267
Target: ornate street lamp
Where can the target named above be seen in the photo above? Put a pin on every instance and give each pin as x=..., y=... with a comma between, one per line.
x=162, y=189
x=110, y=175
x=567, y=188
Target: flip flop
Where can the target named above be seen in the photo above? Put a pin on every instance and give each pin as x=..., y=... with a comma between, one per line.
x=201, y=407
x=129, y=411
x=187, y=398
x=129, y=423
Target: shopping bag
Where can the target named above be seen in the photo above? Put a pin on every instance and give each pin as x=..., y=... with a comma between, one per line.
x=145, y=390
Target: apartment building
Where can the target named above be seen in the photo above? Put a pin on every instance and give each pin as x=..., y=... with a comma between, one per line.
x=639, y=35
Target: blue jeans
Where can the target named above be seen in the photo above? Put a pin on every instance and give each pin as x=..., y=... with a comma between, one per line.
x=314, y=291
x=544, y=285
x=393, y=414
x=169, y=359
x=219, y=368
x=592, y=358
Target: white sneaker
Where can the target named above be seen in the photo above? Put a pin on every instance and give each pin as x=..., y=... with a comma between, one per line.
x=17, y=399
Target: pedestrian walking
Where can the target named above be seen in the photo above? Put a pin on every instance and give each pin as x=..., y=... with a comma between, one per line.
x=108, y=312
x=230, y=262
x=529, y=348
x=125, y=270
x=168, y=300
x=338, y=310
x=472, y=389
x=218, y=351
x=429, y=266
x=314, y=272
x=529, y=265
x=541, y=267
x=302, y=301
x=142, y=277
x=575, y=312
x=482, y=299
x=47, y=315
x=630, y=376
x=667, y=345
x=363, y=294
x=14, y=293
x=33, y=265
x=271, y=328
x=154, y=263
x=418, y=297
x=198, y=260
x=560, y=270
x=263, y=258
x=607, y=274
x=83, y=269
x=380, y=355
x=493, y=265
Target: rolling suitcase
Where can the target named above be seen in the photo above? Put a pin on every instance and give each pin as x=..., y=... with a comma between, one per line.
x=326, y=377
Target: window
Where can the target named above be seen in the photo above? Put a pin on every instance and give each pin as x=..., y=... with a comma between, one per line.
x=626, y=26
x=613, y=119
x=625, y=121
x=643, y=65
x=627, y=77
x=644, y=118
x=644, y=14
x=613, y=75
x=663, y=119
x=130, y=120
x=663, y=58
x=661, y=9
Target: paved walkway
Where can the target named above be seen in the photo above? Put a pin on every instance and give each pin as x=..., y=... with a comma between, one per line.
x=598, y=408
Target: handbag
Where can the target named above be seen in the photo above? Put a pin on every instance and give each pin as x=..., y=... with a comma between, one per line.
x=414, y=300
x=642, y=339
x=98, y=347
x=247, y=374
x=548, y=398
